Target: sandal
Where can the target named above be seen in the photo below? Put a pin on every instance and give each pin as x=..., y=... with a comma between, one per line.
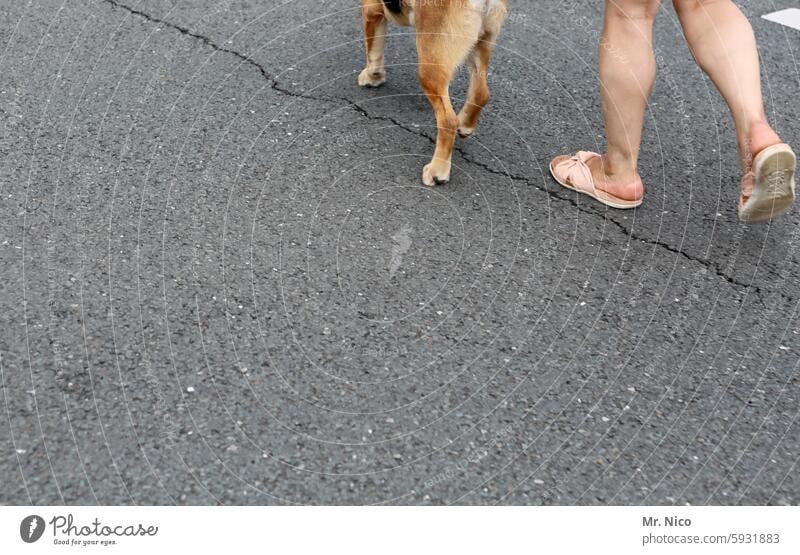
x=768, y=189
x=573, y=173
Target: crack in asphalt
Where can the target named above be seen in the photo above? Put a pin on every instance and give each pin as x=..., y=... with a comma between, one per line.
x=276, y=86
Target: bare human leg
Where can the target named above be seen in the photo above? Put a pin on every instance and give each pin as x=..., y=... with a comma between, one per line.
x=627, y=74
x=722, y=43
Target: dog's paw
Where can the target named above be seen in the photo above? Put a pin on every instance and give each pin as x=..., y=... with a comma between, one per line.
x=370, y=77
x=465, y=132
x=436, y=173
x=465, y=128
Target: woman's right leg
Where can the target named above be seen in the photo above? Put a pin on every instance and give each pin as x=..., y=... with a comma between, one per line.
x=627, y=74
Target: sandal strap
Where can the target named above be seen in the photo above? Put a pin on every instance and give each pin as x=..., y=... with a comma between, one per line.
x=577, y=172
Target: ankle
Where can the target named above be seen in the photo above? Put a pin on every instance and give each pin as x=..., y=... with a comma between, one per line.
x=759, y=136
x=620, y=180
x=617, y=169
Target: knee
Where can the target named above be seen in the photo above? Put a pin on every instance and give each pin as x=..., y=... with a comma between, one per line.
x=483, y=96
x=685, y=7
x=433, y=79
x=641, y=10
x=372, y=10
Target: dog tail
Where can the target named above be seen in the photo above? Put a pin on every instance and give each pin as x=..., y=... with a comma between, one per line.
x=395, y=6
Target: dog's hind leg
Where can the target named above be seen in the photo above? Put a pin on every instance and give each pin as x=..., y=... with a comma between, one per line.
x=478, y=92
x=374, y=73
x=442, y=43
x=478, y=66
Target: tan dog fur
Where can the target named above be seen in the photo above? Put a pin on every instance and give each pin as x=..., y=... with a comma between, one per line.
x=448, y=32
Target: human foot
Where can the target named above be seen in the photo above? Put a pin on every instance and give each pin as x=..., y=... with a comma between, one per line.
x=573, y=172
x=760, y=137
x=624, y=184
x=767, y=188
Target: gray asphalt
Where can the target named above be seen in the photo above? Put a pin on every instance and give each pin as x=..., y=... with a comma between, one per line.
x=221, y=280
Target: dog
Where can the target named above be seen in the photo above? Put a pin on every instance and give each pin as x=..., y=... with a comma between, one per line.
x=448, y=33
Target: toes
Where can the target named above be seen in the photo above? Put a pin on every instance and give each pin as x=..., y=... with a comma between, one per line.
x=464, y=127
x=427, y=178
x=435, y=176
x=371, y=78
x=559, y=159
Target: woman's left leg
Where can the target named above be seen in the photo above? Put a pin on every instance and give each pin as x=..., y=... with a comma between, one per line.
x=722, y=43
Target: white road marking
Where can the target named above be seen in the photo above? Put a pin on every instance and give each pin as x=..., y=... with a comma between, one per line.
x=789, y=17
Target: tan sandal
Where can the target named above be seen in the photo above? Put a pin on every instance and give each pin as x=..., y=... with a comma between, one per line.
x=768, y=189
x=573, y=173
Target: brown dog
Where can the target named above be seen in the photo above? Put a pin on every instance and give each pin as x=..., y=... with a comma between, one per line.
x=448, y=33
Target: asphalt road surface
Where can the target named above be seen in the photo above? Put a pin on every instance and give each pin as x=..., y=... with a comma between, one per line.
x=221, y=280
